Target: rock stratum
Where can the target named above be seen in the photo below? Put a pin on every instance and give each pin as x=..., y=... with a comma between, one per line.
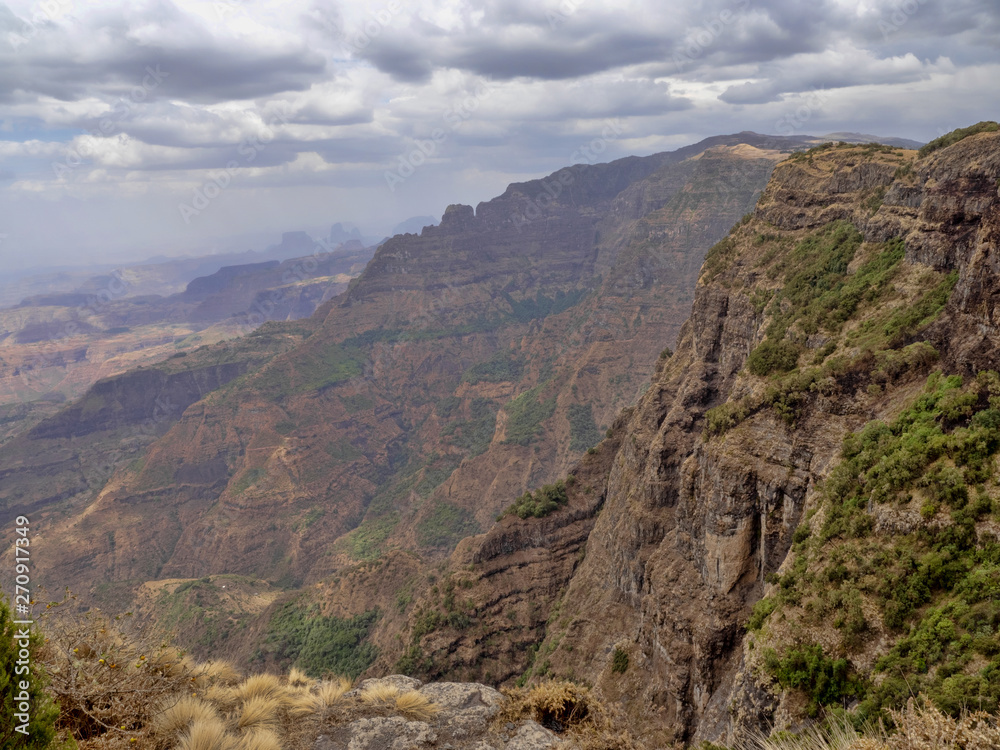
x=465, y=365
x=861, y=271
x=796, y=502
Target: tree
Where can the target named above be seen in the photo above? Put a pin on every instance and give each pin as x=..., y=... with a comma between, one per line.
x=22, y=685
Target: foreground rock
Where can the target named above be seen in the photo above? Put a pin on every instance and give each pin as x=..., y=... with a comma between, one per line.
x=464, y=722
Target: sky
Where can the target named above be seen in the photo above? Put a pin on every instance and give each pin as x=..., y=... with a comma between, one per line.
x=140, y=128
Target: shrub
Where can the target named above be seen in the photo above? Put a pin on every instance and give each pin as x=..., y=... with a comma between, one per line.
x=15, y=683
x=761, y=611
x=773, y=356
x=539, y=503
x=502, y=367
x=318, y=644
x=619, y=661
x=824, y=680
x=949, y=139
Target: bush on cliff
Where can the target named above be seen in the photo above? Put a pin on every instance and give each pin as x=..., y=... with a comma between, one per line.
x=22, y=689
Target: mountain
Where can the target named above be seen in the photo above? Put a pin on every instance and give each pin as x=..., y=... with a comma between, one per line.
x=801, y=510
x=464, y=366
x=863, y=138
x=414, y=225
x=800, y=499
x=54, y=346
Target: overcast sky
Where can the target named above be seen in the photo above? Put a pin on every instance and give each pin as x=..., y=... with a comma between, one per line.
x=129, y=129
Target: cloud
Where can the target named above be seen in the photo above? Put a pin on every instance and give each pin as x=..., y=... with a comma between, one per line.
x=328, y=95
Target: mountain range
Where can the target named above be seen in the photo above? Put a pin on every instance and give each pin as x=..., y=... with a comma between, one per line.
x=617, y=424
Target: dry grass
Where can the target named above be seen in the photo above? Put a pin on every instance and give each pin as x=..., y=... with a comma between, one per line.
x=298, y=678
x=222, y=696
x=331, y=692
x=259, y=712
x=261, y=739
x=415, y=706
x=261, y=686
x=216, y=673
x=920, y=726
x=571, y=710
x=109, y=676
x=176, y=715
x=923, y=727
x=380, y=695
x=207, y=735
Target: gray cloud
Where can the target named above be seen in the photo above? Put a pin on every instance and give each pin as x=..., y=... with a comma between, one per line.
x=315, y=100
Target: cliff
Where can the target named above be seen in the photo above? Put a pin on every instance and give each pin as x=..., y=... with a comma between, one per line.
x=861, y=270
x=463, y=366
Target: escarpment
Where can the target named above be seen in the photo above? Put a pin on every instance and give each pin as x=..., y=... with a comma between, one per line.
x=862, y=270
x=464, y=366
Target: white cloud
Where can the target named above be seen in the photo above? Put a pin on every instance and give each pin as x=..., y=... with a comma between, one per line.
x=327, y=95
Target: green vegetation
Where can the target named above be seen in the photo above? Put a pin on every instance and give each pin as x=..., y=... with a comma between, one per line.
x=18, y=686
x=436, y=471
x=819, y=296
x=504, y=366
x=825, y=681
x=366, y=541
x=479, y=324
x=321, y=366
x=196, y=608
x=311, y=516
x=773, y=356
x=320, y=645
x=528, y=309
x=987, y=126
x=525, y=415
x=936, y=586
x=447, y=406
x=583, y=431
x=717, y=258
x=541, y=502
x=445, y=525
x=444, y=610
x=248, y=479
x=357, y=402
x=475, y=434
x=818, y=292
x=155, y=476
x=619, y=661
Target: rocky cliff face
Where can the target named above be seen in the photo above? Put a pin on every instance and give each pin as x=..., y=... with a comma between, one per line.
x=860, y=270
x=466, y=364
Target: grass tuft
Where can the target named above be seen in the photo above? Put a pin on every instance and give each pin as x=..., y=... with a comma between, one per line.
x=415, y=706
x=177, y=715
x=259, y=711
x=207, y=735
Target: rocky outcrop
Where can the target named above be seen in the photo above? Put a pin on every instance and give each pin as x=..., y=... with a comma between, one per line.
x=390, y=425
x=464, y=721
x=693, y=521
